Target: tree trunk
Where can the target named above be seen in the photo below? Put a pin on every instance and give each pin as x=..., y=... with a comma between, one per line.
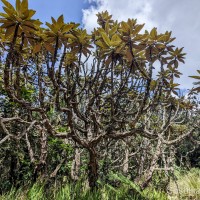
x=126, y=162
x=13, y=168
x=40, y=169
x=148, y=175
x=92, y=169
x=76, y=165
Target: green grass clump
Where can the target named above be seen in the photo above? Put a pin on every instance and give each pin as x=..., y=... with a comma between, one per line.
x=126, y=191
x=187, y=185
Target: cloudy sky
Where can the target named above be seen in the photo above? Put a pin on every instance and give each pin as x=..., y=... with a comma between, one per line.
x=182, y=17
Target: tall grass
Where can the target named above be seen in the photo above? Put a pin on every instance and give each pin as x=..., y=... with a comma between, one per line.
x=189, y=185
x=78, y=192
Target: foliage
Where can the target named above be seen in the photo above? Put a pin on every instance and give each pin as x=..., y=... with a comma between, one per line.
x=127, y=190
x=187, y=182
x=196, y=89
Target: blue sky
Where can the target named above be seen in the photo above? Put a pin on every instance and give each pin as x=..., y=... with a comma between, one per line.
x=72, y=9
x=182, y=17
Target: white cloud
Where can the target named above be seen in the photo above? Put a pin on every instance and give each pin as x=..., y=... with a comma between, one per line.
x=122, y=10
x=180, y=17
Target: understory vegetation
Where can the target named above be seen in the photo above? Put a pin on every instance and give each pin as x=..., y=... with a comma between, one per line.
x=94, y=115
x=185, y=186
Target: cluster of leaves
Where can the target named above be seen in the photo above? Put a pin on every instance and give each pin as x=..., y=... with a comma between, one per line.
x=119, y=41
x=196, y=89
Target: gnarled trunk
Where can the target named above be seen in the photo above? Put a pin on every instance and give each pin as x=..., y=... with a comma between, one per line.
x=40, y=169
x=76, y=165
x=92, y=169
x=148, y=175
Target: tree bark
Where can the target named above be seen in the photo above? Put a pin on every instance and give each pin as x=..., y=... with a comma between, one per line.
x=76, y=165
x=92, y=169
x=148, y=175
x=126, y=162
x=41, y=167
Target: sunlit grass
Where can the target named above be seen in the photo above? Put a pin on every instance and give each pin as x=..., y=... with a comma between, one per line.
x=188, y=184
